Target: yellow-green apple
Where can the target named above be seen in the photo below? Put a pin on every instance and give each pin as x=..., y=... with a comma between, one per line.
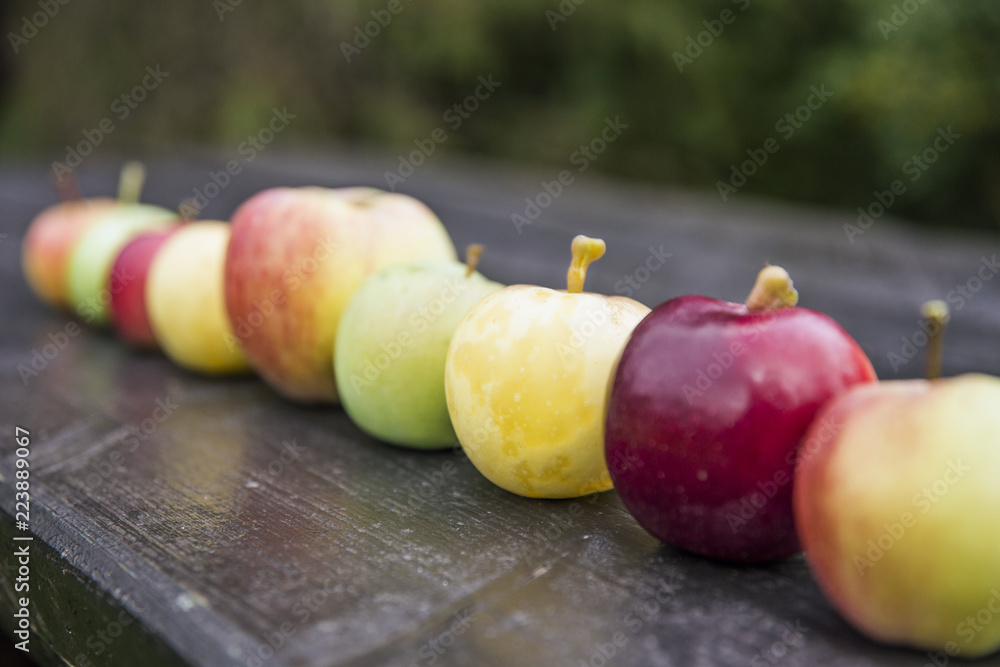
x=54, y=233
x=89, y=278
x=391, y=347
x=706, y=411
x=526, y=380
x=186, y=303
x=128, y=302
x=297, y=256
x=896, y=494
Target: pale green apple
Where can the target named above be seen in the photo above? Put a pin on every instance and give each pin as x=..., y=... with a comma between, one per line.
x=186, y=302
x=89, y=278
x=897, y=505
x=526, y=380
x=391, y=346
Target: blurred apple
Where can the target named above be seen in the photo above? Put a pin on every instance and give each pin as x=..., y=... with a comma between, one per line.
x=185, y=300
x=391, y=347
x=50, y=240
x=896, y=496
x=708, y=405
x=297, y=256
x=526, y=379
x=128, y=302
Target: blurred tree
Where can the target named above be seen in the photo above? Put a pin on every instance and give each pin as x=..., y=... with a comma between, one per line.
x=699, y=85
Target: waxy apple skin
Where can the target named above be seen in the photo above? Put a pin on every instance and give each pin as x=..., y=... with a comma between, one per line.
x=707, y=408
x=526, y=381
x=391, y=348
x=128, y=302
x=185, y=302
x=296, y=257
x=897, y=490
x=49, y=242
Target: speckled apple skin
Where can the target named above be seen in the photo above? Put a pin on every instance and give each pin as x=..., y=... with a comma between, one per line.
x=702, y=445
x=526, y=381
x=296, y=257
x=897, y=502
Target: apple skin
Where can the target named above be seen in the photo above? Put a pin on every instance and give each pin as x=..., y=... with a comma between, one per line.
x=391, y=347
x=903, y=565
x=687, y=452
x=50, y=240
x=128, y=302
x=89, y=277
x=297, y=256
x=185, y=301
x=526, y=380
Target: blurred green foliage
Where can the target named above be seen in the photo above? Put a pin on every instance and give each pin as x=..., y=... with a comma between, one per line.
x=230, y=63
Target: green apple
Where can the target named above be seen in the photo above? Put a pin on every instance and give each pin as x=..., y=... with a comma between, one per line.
x=391, y=346
x=896, y=493
x=526, y=379
x=186, y=303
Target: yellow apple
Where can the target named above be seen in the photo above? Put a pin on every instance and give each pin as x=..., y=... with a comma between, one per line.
x=526, y=379
x=184, y=296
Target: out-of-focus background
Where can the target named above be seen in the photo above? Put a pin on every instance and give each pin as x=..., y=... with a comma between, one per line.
x=842, y=97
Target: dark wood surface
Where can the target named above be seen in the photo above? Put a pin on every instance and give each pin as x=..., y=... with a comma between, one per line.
x=217, y=537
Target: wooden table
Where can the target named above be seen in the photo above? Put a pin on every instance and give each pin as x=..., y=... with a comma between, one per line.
x=244, y=530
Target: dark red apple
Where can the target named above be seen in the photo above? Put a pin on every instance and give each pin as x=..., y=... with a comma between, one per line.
x=127, y=286
x=708, y=405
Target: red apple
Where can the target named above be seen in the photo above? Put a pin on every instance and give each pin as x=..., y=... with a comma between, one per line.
x=708, y=405
x=49, y=242
x=294, y=261
x=128, y=288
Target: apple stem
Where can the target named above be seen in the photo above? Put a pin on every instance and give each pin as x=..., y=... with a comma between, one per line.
x=772, y=290
x=936, y=313
x=67, y=187
x=585, y=250
x=130, y=182
x=472, y=255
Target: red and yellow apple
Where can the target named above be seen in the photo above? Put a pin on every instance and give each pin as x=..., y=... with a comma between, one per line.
x=297, y=256
x=709, y=403
x=896, y=494
x=185, y=300
x=526, y=379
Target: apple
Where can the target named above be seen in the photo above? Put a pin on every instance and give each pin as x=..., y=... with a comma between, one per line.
x=186, y=303
x=89, y=278
x=55, y=231
x=391, y=346
x=128, y=302
x=896, y=494
x=706, y=411
x=50, y=240
x=526, y=378
x=297, y=256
